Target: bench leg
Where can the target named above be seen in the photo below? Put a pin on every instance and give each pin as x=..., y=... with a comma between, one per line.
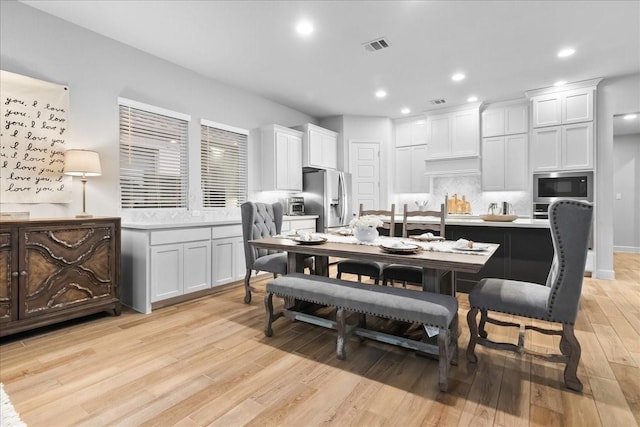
x=268, y=305
x=341, y=324
x=443, y=358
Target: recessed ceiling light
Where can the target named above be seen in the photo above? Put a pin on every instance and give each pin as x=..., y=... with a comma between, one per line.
x=304, y=28
x=381, y=93
x=630, y=116
x=560, y=83
x=405, y=110
x=566, y=52
x=472, y=99
x=457, y=77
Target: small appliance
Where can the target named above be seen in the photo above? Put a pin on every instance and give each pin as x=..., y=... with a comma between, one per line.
x=294, y=205
x=549, y=187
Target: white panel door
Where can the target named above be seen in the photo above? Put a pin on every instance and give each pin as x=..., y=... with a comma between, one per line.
x=403, y=134
x=516, y=172
x=239, y=260
x=364, y=164
x=294, y=163
x=545, y=149
x=197, y=266
x=330, y=151
x=577, y=146
x=166, y=271
x=315, y=148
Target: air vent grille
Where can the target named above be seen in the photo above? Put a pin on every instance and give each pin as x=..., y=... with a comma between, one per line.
x=437, y=101
x=377, y=44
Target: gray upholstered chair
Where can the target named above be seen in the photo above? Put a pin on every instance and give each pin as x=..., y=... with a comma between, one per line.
x=261, y=220
x=556, y=302
x=408, y=274
x=372, y=269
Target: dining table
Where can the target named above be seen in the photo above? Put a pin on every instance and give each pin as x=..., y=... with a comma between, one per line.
x=435, y=257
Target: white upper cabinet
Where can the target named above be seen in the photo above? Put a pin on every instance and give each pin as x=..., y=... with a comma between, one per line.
x=568, y=147
x=505, y=120
x=411, y=170
x=572, y=106
x=319, y=147
x=282, y=159
x=453, y=134
x=505, y=162
x=410, y=132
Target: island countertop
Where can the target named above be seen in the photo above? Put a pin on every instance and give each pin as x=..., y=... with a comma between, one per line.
x=477, y=221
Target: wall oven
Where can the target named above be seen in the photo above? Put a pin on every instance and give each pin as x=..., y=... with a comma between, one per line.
x=549, y=187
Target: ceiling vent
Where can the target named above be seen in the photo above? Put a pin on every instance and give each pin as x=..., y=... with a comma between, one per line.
x=437, y=101
x=377, y=44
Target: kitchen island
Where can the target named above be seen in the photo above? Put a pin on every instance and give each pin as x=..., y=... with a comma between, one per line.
x=525, y=251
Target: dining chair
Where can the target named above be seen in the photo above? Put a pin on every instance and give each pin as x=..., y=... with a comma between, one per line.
x=260, y=220
x=556, y=302
x=372, y=269
x=408, y=274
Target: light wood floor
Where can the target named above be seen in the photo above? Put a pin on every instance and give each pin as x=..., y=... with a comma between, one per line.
x=207, y=362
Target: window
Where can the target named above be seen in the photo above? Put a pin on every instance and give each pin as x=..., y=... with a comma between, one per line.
x=153, y=156
x=223, y=156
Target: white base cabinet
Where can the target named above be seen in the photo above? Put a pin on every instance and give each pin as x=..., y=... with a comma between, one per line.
x=180, y=269
x=228, y=254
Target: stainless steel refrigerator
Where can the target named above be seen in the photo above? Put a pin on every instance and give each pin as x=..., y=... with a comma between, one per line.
x=327, y=193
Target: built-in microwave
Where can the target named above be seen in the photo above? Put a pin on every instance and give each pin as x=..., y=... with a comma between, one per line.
x=549, y=187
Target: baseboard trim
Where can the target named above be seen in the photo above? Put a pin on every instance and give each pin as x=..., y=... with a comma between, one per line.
x=605, y=275
x=627, y=249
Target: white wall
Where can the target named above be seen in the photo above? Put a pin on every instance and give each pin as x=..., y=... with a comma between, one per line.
x=97, y=71
x=615, y=96
x=626, y=183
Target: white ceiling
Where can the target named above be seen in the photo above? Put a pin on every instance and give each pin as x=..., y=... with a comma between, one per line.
x=504, y=47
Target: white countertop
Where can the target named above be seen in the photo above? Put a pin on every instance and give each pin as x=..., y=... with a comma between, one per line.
x=200, y=222
x=476, y=221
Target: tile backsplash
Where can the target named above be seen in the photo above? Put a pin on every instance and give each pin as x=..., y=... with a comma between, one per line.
x=471, y=188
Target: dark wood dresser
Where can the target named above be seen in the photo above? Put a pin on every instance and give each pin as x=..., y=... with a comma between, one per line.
x=57, y=269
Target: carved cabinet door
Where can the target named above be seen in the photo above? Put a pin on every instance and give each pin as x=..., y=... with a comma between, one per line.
x=8, y=276
x=66, y=266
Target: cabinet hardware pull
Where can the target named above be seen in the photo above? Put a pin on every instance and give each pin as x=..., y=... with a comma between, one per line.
x=14, y=274
x=23, y=273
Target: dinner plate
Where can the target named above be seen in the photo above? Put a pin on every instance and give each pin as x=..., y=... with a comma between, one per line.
x=312, y=241
x=406, y=249
x=427, y=239
x=475, y=248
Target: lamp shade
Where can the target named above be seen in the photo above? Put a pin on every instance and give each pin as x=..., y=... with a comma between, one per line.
x=82, y=163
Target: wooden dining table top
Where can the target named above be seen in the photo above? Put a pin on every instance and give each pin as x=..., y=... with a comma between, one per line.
x=463, y=262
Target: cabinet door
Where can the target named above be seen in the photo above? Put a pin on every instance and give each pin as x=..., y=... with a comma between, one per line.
x=516, y=162
x=439, y=136
x=577, y=146
x=516, y=119
x=465, y=136
x=403, y=170
x=419, y=179
x=282, y=155
x=65, y=266
x=545, y=149
x=577, y=106
x=419, y=132
x=167, y=271
x=493, y=163
x=330, y=151
x=493, y=122
x=294, y=164
x=403, y=132
x=547, y=110
x=223, y=255
x=238, y=258
x=315, y=148
x=8, y=276
x=197, y=266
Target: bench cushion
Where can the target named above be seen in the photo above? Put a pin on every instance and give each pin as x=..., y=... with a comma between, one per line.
x=393, y=303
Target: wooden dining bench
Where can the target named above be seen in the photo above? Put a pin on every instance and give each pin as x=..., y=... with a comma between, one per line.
x=433, y=311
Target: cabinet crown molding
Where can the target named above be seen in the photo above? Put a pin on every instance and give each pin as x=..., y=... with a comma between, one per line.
x=463, y=107
x=592, y=83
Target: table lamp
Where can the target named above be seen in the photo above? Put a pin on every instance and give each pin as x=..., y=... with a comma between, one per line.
x=82, y=163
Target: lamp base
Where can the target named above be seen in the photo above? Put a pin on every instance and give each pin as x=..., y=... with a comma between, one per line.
x=84, y=215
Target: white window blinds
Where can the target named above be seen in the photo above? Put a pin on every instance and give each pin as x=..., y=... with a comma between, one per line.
x=223, y=156
x=153, y=157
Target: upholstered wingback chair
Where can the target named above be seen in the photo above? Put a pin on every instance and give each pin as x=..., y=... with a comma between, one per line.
x=260, y=220
x=558, y=301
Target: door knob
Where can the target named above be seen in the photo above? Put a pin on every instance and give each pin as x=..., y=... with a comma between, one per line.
x=14, y=274
x=23, y=273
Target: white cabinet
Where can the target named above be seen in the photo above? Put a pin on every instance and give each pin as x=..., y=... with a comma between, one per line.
x=301, y=223
x=505, y=120
x=505, y=163
x=182, y=266
x=453, y=134
x=410, y=170
x=566, y=107
x=282, y=159
x=562, y=147
x=227, y=254
x=412, y=132
x=319, y=147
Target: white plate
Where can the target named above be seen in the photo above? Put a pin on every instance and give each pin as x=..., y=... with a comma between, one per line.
x=405, y=249
x=475, y=248
x=427, y=239
x=312, y=241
